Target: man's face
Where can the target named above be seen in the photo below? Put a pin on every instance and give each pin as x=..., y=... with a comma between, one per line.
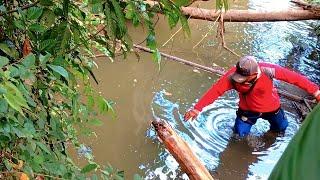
x=250, y=80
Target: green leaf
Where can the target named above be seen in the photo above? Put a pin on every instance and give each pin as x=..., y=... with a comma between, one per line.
x=226, y=4
x=3, y=106
x=47, y=45
x=103, y=104
x=43, y=147
x=3, y=90
x=180, y=3
x=173, y=19
x=14, y=72
x=185, y=25
x=7, y=164
x=120, y=18
x=94, y=177
x=3, y=61
x=34, y=13
x=95, y=122
x=300, y=160
x=37, y=28
x=137, y=177
x=96, y=8
x=89, y=167
x=46, y=2
x=29, y=60
x=38, y=159
x=19, y=24
x=90, y=101
x=60, y=70
x=44, y=59
x=3, y=8
x=120, y=174
x=66, y=38
x=18, y=98
x=9, y=51
x=129, y=11
x=151, y=42
x=19, y=133
x=48, y=18
x=12, y=102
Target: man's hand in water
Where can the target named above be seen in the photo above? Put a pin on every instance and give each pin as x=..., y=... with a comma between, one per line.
x=191, y=114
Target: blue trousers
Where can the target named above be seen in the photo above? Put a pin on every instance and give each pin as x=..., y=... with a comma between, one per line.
x=245, y=120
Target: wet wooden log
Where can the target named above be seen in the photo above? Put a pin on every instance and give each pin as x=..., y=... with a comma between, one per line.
x=250, y=15
x=233, y=15
x=181, y=151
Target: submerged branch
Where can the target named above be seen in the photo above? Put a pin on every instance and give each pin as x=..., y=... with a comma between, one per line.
x=219, y=71
x=170, y=57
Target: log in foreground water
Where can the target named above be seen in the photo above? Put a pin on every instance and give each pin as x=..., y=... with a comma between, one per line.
x=181, y=151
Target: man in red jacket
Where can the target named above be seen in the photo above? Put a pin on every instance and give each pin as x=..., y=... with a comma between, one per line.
x=258, y=97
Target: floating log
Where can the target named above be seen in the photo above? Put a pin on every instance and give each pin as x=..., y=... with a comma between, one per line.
x=181, y=151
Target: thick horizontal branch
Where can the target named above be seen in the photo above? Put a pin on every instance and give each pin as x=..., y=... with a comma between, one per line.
x=250, y=15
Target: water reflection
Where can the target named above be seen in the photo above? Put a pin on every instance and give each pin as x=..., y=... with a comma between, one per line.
x=210, y=136
x=290, y=44
x=138, y=88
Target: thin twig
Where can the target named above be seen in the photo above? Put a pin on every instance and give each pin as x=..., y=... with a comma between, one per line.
x=228, y=49
x=221, y=30
x=171, y=37
x=307, y=104
x=206, y=33
x=20, y=8
x=93, y=35
x=45, y=175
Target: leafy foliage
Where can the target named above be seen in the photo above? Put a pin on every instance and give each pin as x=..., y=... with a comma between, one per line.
x=46, y=50
x=300, y=160
x=222, y=4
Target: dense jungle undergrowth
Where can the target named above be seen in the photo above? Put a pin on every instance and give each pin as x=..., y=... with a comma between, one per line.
x=46, y=52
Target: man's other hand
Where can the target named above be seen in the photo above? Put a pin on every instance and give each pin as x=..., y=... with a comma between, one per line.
x=317, y=95
x=191, y=114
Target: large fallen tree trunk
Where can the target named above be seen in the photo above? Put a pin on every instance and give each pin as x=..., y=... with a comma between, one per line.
x=231, y=15
x=250, y=15
x=181, y=151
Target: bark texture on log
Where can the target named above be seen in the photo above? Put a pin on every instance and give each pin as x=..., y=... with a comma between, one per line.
x=250, y=15
x=181, y=151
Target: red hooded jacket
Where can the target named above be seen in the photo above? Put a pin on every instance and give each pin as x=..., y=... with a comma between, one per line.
x=263, y=97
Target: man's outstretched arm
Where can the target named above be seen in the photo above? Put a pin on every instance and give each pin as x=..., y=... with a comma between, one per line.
x=294, y=78
x=216, y=90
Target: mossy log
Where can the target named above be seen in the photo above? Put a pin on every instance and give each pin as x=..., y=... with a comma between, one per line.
x=181, y=151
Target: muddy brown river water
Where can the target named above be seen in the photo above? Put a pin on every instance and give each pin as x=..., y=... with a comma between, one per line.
x=141, y=92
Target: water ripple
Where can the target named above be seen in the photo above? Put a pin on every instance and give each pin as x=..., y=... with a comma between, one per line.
x=210, y=134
